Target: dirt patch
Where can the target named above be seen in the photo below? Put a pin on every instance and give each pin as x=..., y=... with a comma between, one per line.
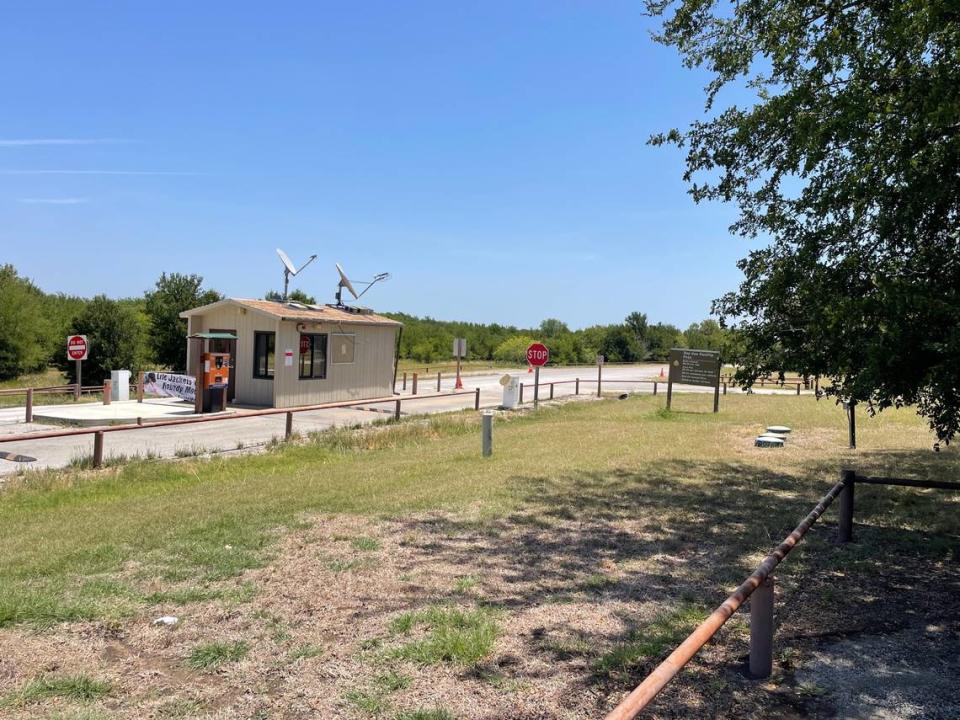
x=903, y=675
x=567, y=582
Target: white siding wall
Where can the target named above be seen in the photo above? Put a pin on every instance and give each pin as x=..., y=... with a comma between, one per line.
x=369, y=376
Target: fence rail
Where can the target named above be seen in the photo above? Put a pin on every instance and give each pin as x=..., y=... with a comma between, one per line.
x=99, y=432
x=759, y=585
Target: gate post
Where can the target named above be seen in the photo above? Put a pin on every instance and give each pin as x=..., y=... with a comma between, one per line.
x=29, y=416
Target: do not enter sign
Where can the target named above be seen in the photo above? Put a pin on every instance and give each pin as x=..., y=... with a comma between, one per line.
x=77, y=347
x=537, y=354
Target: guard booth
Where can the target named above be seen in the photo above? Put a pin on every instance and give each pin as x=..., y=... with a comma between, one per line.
x=212, y=370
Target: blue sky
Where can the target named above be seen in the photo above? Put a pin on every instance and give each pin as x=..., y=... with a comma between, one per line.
x=491, y=156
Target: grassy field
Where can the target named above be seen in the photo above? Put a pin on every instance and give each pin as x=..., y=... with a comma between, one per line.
x=391, y=572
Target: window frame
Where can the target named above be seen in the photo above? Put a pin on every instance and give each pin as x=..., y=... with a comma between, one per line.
x=326, y=356
x=269, y=334
x=353, y=359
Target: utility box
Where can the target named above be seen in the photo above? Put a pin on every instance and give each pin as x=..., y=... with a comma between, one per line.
x=120, y=384
x=511, y=391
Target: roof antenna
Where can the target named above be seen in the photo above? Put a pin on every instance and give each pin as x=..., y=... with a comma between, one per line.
x=290, y=270
x=345, y=283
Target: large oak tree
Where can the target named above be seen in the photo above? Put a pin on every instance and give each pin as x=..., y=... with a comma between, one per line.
x=846, y=159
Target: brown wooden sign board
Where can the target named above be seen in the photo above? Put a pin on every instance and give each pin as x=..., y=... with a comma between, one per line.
x=695, y=367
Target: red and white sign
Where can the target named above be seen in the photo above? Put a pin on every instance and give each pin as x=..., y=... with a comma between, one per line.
x=77, y=347
x=538, y=355
x=304, y=344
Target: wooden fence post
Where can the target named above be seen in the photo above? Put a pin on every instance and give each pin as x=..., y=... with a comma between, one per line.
x=288, y=431
x=476, y=400
x=29, y=416
x=107, y=391
x=404, y=381
x=140, y=386
x=98, y=448
x=576, y=390
x=438, y=382
x=415, y=383
x=551, y=391
x=520, y=402
x=396, y=410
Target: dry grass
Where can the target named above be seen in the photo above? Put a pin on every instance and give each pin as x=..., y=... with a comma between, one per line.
x=390, y=571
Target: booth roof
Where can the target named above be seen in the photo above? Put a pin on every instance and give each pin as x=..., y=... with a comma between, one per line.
x=298, y=311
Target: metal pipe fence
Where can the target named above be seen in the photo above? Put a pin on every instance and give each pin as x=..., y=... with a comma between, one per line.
x=760, y=586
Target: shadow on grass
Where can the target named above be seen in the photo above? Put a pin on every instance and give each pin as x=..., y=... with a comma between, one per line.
x=642, y=547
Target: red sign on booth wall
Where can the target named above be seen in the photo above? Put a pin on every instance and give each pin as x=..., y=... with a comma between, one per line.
x=537, y=354
x=304, y=344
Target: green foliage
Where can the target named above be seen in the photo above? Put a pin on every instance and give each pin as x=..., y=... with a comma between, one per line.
x=513, y=350
x=116, y=331
x=71, y=687
x=23, y=325
x=661, y=337
x=454, y=635
x=651, y=641
x=846, y=159
x=173, y=294
x=215, y=654
x=297, y=295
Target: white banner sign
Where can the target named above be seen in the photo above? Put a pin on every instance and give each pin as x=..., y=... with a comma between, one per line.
x=170, y=385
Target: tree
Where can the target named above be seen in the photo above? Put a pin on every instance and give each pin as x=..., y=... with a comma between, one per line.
x=705, y=335
x=23, y=325
x=620, y=345
x=661, y=338
x=173, y=294
x=513, y=350
x=297, y=295
x=551, y=327
x=115, y=333
x=846, y=159
x=637, y=322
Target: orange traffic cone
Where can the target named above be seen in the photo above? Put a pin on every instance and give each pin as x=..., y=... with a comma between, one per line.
x=529, y=368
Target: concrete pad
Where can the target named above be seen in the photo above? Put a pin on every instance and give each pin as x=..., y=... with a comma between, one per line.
x=117, y=413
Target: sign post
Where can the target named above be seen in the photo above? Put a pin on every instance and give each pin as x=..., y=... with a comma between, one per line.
x=695, y=367
x=78, y=349
x=537, y=356
x=459, y=352
x=600, y=360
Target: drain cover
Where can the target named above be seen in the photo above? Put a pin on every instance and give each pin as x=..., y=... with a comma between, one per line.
x=768, y=441
x=778, y=429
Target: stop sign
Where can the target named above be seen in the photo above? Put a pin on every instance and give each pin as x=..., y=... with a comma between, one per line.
x=77, y=347
x=537, y=354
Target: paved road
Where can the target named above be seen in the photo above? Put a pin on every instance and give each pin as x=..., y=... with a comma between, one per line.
x=245, y=434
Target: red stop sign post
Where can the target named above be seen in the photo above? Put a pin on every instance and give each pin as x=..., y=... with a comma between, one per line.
x=78, y=349
x=537, y=355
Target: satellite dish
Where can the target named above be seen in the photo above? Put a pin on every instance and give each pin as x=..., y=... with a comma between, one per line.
x=290, y=270
x=345, y=283
x=287, y=262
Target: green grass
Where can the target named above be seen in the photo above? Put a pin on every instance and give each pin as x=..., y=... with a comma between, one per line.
x=434, y=714
x=369, y=702
x=73, y=687
x=305, y=651
x=453, y=635
x=365, y=544
x=212, y=655
x=650, y=641
x=199, y=521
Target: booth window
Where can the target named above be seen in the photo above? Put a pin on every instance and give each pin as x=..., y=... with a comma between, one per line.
x=343, y=348
x=313, y=357
x=264, y=355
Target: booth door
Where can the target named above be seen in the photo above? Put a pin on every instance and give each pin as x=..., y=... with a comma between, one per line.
x=228, y=346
